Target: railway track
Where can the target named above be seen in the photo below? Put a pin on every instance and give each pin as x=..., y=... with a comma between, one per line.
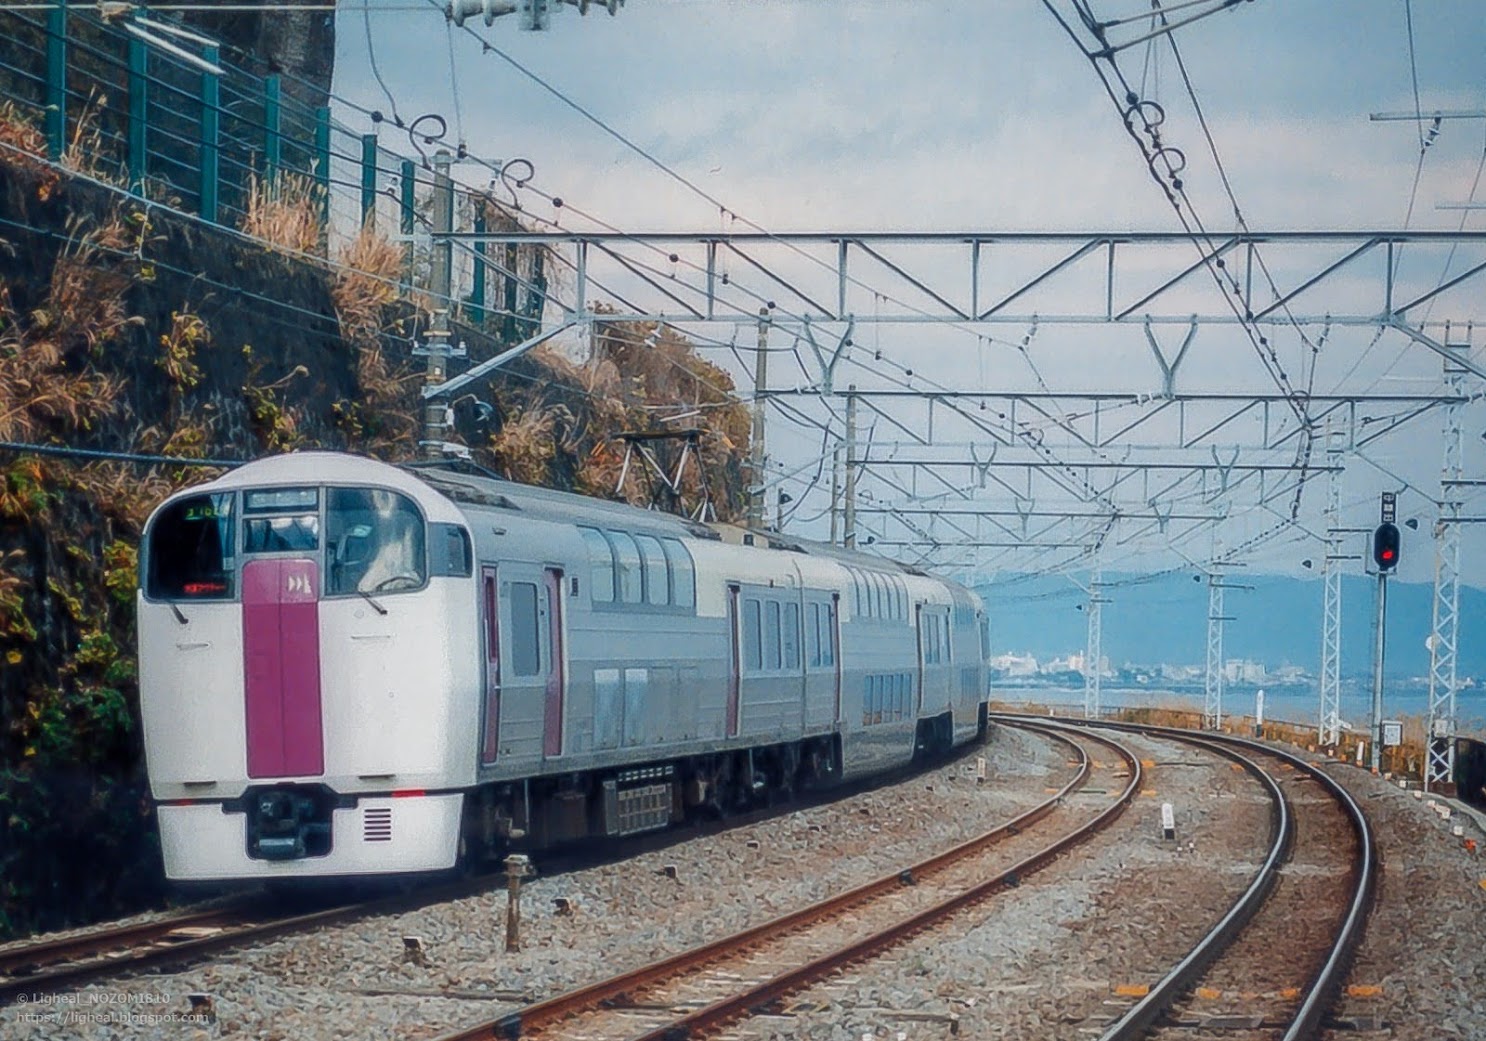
x=33, y=969
x=731, y=978
x=50, y=965
x=1272, y=966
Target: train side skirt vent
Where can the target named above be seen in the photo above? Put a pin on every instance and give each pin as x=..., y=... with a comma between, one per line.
x=376, y=824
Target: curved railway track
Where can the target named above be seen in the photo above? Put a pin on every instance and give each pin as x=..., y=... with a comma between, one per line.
x=708, y=987
x=1266, y=928
x=49, y=965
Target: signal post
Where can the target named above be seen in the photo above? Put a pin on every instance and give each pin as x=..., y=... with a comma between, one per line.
x=1385, y=547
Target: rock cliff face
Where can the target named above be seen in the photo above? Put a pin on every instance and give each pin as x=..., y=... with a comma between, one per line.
x=298, y=44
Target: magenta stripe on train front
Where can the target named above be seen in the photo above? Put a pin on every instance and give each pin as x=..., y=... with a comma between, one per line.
x=281, y=661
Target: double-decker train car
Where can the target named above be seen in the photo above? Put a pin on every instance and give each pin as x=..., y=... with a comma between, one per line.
x=352, y=668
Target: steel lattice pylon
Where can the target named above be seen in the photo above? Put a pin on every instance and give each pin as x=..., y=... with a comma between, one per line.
x=1331, y=609
x=1093, y=653
x=1445, y=639
x=1212, y=705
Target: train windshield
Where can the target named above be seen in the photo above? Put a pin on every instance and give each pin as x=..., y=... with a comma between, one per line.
x=191, y=550
x=374, y=542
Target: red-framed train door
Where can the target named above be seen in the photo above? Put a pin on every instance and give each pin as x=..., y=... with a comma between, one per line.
x=490, y=612
x=557, y=670
x=835, y=627
x=735, y=659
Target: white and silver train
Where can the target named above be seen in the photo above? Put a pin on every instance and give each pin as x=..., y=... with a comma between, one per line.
x=351, y=668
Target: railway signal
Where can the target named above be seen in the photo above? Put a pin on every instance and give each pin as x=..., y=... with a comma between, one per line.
x=1385, y=547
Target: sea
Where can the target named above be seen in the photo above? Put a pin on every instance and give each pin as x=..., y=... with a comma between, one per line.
x=1289, y=704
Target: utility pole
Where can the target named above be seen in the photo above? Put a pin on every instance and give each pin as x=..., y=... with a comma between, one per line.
x=836, y=495
x=1331, y=607
x=1093, y=652
x=437, y=350
x=850, y=526
x=757, y=457
x=1212, y=687
x=1444, y=638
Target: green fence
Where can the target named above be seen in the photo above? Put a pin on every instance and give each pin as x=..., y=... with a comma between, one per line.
x=182, y=124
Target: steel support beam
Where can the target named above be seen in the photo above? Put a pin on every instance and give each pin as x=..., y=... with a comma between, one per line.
x=1331, y=596
x=1444, y=640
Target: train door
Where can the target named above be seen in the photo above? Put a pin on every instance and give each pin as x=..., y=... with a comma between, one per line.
x=557, y=671
x=835, y=625
x=918, y=628
x=490, y=630
x=531, y=675
x=735, y=660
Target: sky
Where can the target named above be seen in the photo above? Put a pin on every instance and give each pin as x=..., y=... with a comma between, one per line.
x=980, y=115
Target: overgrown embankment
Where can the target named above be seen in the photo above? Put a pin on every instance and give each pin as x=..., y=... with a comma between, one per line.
x=127, y=329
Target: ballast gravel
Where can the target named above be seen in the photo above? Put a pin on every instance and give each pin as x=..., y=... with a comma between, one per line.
x=356, y=980
x=1044, y=962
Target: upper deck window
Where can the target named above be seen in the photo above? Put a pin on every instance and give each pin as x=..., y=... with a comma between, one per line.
x=191, y=549
x=374, y=542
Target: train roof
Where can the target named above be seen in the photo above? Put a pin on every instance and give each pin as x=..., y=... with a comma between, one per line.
x=469, y=485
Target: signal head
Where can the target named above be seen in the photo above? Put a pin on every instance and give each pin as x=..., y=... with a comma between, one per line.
x=1385, y=547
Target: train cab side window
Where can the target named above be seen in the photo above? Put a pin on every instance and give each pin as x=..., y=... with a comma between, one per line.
x=191, y=550
x=683, y=575
x=628, y=567
x=449, y=548
x=600, y=564
x=753, y=644
x=374, y=542
x=657, y=575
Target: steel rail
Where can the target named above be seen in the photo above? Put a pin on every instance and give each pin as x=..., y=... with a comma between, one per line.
x=16, y=958
x=1321, y=990
x=535, y=1017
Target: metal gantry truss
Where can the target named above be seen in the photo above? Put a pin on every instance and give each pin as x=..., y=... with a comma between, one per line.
x=1212, y=685
x=1094, y=652
x=1331, y=596
x=946, y=470
x=1444, y=641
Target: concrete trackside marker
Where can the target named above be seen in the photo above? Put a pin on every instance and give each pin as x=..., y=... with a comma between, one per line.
x=1168, y=821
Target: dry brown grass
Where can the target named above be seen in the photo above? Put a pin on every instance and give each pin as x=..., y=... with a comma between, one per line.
x=525, y=446
x=286, y=212
x=18, y=132
x=85, y=149
x=47, y=384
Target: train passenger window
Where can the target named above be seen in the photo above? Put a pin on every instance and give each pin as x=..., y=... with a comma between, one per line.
x=191, y=550
x=600, y=564
x=948, y=656
x=526, y=655
x=771, y=634
x=657, y=575
x=985, y=639
x=753, y=643
x=791, y=641
x=374, y=542
x=683, y=576
x=627, y=561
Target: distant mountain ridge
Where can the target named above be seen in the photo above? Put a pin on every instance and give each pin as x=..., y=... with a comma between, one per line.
x=1278, y=622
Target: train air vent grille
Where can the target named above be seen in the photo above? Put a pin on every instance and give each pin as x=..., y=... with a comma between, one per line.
x=376, y=824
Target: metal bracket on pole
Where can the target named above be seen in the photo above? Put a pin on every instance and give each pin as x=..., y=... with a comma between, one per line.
x=828, y=368
x=1168, y=369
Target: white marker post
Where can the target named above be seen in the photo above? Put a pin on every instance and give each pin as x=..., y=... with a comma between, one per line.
x=1168, y=821
x=1259, y=713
